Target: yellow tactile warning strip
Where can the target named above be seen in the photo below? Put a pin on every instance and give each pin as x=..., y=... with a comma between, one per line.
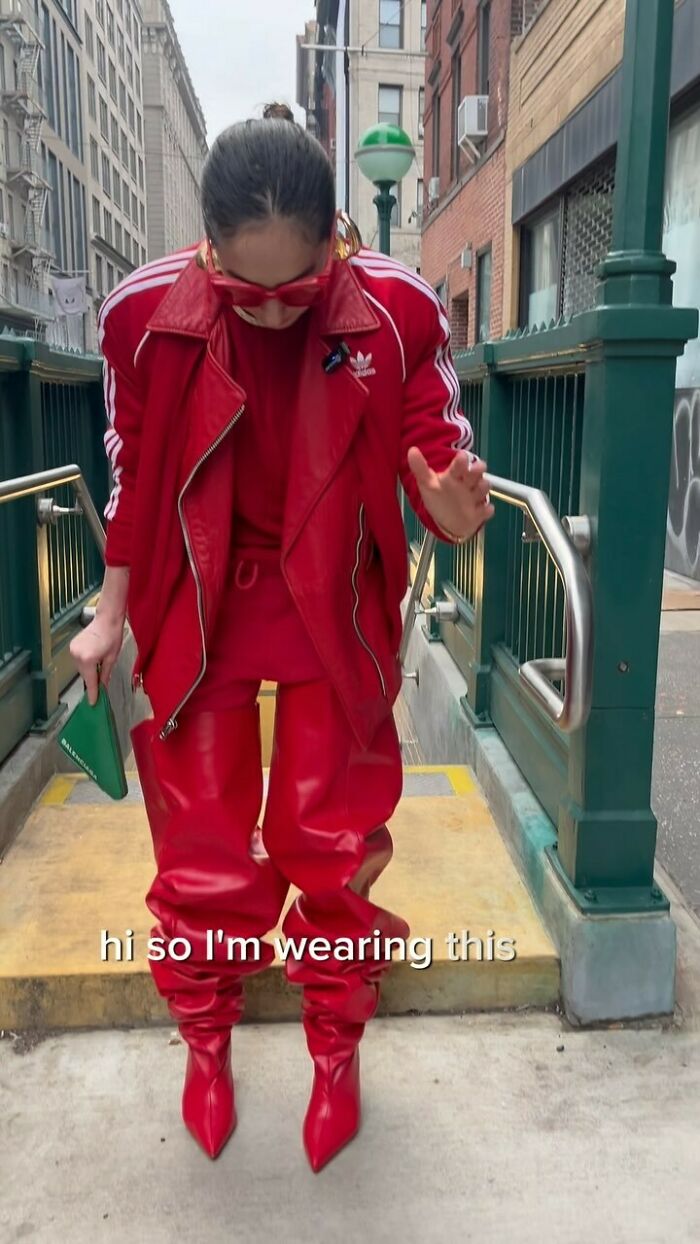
x=79, y=870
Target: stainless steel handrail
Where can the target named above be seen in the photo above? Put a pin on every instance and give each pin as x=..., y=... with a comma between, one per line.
x=25, y=485
x=575, y=669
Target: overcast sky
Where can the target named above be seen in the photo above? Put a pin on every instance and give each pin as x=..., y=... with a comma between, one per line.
x=239, y=62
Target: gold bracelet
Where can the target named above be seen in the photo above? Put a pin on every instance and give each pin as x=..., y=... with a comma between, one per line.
x=450, y=534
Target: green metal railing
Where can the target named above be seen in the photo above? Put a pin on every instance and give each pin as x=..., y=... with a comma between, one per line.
x=583, y=411
x=51, y=413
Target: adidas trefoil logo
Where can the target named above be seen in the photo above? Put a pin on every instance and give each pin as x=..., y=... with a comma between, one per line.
x=362, y=365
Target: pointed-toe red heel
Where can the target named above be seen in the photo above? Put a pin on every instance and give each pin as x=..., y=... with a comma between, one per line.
x=333, y=1115
x=208, y=1098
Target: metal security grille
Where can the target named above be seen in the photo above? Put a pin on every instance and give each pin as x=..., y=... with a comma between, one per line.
x=546, y=430
x=588, y=211
x=70, y=432
x=462, y=573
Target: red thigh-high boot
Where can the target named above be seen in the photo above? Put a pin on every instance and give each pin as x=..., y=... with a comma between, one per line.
x=324, y=828
x=203, y=792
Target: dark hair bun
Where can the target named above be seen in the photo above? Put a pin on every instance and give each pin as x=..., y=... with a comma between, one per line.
x=279, y=112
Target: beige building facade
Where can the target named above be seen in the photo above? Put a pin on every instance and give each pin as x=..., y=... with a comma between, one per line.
x=115, y=154
x=176, y=139
x=387, y=84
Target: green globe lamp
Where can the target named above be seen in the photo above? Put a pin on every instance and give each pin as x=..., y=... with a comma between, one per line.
x=384, y=155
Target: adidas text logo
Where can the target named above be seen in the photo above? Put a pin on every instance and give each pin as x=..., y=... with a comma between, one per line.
x=362, y=365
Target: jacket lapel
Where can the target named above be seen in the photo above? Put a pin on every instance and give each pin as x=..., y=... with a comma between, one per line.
x=192, y=309
x=329, y=406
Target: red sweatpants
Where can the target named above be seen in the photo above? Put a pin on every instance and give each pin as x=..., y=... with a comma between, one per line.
x=324, y=828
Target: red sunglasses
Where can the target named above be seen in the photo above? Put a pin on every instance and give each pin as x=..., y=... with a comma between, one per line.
x=302, y=293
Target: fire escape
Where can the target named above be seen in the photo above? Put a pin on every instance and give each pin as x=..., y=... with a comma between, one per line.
x=23, y=100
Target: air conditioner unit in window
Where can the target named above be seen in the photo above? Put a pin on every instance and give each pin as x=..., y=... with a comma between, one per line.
x=433, y=189
x=472, y=122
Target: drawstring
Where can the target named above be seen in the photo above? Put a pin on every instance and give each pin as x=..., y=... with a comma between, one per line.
x=252, y=579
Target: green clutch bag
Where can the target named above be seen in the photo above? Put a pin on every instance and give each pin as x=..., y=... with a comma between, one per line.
x=90, y=738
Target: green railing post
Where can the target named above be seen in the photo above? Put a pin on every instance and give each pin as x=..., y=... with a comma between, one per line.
x=607, y=831
x=490, y=588
x=44, y=672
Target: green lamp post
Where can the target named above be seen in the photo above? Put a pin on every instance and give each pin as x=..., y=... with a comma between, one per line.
x=384, y=155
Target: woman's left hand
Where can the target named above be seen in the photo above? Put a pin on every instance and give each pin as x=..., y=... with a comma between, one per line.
x=456, y=499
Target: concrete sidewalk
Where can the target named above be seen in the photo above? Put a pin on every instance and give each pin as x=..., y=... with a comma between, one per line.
x=482, y=1128
x=676, y=776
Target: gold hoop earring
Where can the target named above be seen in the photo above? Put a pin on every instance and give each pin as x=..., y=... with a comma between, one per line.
x=348, y=240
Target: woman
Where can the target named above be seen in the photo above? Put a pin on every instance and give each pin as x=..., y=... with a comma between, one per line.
x=265, y=390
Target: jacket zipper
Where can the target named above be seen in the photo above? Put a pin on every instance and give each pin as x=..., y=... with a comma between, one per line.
x=172, y=723
x=356, y=568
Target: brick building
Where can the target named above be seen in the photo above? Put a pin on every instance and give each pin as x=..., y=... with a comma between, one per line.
x=468, y=45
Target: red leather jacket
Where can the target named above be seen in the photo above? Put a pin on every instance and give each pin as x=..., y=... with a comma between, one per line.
x=171, y=399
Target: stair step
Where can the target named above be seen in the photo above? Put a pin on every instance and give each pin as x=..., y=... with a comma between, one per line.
x=83, y=864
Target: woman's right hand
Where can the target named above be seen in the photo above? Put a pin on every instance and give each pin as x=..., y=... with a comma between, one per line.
x=99, y=644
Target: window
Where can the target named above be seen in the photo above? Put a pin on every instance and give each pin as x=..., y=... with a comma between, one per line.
x=107, y=232
x=125, y=149
x=129, y=67
x=396, y=209
x=127, y=244
x=423, y=23
x=106, y=175
x=132, y=161
x=136, y=34
x=139, y=128
x=142, y=215
x=459, y=322
x=141, y=182
x=118, y=236
x=136, y=252
x=120, y=8
x=110, y=25
x=122, y=97
x=134, y=209
x=539, y=270
x=89, y=38
x=110, y=277
x=421, y=111
x=132, y=115
x=456, y=101
x=92, y=98
x=137, y=81
x=101, y=60
x=441, y=291
x=104, y=119
x=436, y=135
x=390, y=104
x=483, y=294
x=482, y=47
x=94, y=159
x=390, y=24
x=74, y=118
x=96, y=215
x=127, y=21
x=121, y=50
x=419, y=201
x=116, y=187
x=143, y=254
x=115, y=135
x=113, y=80
x=100, y=11
x=99, y=275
